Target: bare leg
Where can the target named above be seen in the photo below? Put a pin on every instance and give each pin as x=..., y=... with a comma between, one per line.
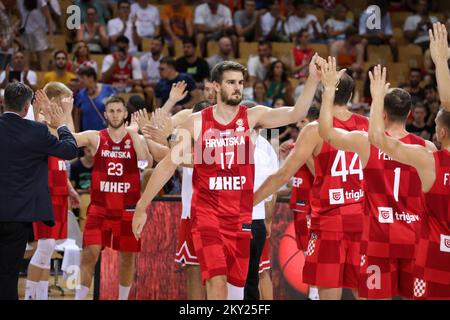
x=89, y=258
x=195, y=288
x=127, y=268
x=216, y=288
x=330, y=293
x=265, y=285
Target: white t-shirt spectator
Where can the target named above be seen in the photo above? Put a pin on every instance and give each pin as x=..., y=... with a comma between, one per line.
x=411, y=24
x=31, y=77
x=337, y=25
x=36, y=19
x=267, y=22
x=147, y=19
x=266, y=164
x=116, y=25
x=150, y=66
x=294, y=24
x=256, y=68
x=203, y=15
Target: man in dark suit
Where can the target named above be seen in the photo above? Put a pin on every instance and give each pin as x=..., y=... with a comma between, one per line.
x=24, y=194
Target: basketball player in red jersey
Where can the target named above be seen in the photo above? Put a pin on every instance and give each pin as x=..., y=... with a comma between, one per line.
x=333, y=254
x=223, y=176
x=432, y=264
x=115, y=189
x=394, y=205
x=60, y=189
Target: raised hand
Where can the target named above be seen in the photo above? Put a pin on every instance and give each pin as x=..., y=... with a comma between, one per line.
x=438, y=43
x=315, y=66
x=67, y=104
x=330, y=76
x=152, y=133
x=178, y=91
x=162, y=121
x=56, y=115
x=378, y=85
x=133, y=125
x=41, y=102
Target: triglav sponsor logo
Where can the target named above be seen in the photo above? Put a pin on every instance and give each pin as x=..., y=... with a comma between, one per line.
x=336, y=196
x=385, y=215
x=445, y=243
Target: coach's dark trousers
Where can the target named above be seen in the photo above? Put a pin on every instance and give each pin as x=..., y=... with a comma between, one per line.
x=13, y=241
x=251, y=290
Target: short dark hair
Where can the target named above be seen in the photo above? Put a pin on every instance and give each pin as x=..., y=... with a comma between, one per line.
x=344, y=90
x=190, y=40
x=199, y=106
x=169, y=61
x=159, y=38
x=123, y=39
x=115, y=99
x=88, y=72
x=411, y=70
x=397, y=104
x=271, y=71
x=90, y=6
x=443, y=117
x=265, y=43
x=219, y=69
x=351, y=31
x=313, y=114
x=58, y=52
x=17, y=95
x=123, y=1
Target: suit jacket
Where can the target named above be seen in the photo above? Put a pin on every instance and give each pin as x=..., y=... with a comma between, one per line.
x=24, y=149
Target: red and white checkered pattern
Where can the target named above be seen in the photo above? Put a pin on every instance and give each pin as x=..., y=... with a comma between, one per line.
x=420, y=287
x=311, y=245
x=363, y=259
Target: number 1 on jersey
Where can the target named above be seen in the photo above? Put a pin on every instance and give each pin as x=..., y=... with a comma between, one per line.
x=340, y=158
x=396, y=183
x=223, y=157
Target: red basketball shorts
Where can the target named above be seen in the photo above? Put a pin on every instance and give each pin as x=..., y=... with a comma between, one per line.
x=222, y=253
x=107, y=230
x=59, y=230
x=301, y=223
x=185, y=253
x=333, y=259
x=384, y=278
x=264, y=261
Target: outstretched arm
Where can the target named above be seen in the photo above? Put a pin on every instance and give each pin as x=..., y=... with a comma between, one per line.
x=304, y=148
x=264, y=117
x=440, y=54
x=354, y=141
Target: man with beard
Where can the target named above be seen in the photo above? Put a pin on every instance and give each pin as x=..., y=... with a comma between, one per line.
x=115, y=189
x=60, y=74
x=150, y=68
x=223, y=176
x=191, y=64
x=18, y=71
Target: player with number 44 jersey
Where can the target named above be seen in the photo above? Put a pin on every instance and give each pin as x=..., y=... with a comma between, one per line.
x=333, y=252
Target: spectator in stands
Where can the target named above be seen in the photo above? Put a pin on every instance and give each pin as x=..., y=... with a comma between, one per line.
x=136, y=103
x=7, y=37
x=302, y=20
x=271, y=24
x=60, y=74
x=419, y=126
x=191, y=64
x=328, y=6
x=378, y=36
x=260, y=94
x=150, y=68
x=18, y=71
x=225, y=50
x=432, y=103
x=89, y=101
x=336, y=26
x=245, y=22
x=416, y=26
x=125, y=25
x=122, y=70
x=349, y=53
x=82, y=58
x=278, y=84
x=413, y=87
x=213, y=20
x=177, y=21
x=103, y=14
x=209, y=94
x=301, y=55
x=80, y=177
x=148, y=23
x=93, y=32
x=258, y=65
x=170, y=76
x=35, y=22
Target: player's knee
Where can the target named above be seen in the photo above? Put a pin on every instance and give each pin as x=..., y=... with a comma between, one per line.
x=43, y=254
x=217, y=283
x=89, y=256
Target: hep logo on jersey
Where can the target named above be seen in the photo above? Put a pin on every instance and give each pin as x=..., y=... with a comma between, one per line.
x=445, y=243
x=385, y=215
x=336, y=196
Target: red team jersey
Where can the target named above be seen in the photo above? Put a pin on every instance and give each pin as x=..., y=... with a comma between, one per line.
x=115, y=182
x=301, y=186
x=337, y=191
x=433, y=251
x=394, y=205
x=57, y=177
x=223, y=175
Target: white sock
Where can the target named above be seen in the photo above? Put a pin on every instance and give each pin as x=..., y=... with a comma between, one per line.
x=81, y=293
x=313, y=293
x=235, y=293
x=42, y=290
x=30, y=290
x=124, y=292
